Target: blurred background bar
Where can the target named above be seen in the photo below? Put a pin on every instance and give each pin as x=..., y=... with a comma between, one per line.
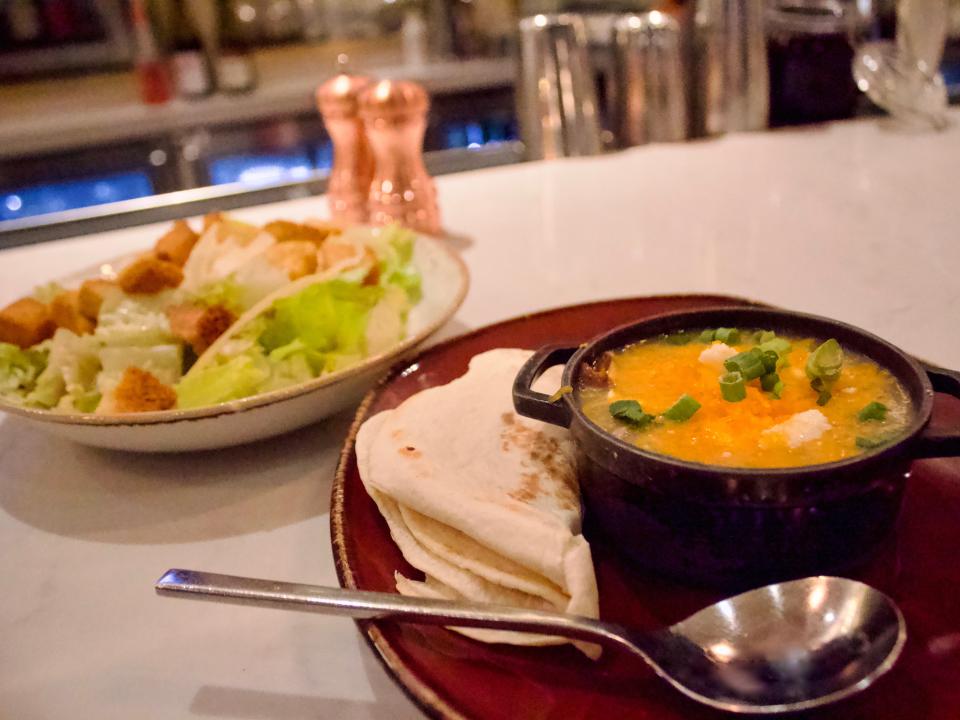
x=115, y=103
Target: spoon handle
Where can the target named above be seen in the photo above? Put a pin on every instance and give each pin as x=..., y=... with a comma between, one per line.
x=364, y=605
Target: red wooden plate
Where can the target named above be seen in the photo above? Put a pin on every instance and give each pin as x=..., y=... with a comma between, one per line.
x=451, y=676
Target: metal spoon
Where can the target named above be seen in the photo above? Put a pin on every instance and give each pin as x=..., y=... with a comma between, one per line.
x=781, y=648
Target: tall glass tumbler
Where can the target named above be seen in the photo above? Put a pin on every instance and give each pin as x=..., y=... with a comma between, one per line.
x=556, y=96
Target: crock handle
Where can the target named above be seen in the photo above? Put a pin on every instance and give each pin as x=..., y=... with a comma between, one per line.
x=941, y=444
x=536, y=405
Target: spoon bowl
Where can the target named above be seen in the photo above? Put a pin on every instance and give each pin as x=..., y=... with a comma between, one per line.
x=781, y=648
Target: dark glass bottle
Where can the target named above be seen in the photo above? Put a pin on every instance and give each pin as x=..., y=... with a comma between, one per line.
x=152, y=71
x=810, y=52
x=235, y=68
x=192, y=71
x=23, y=22
x=87, y=24
x=60, y=18
x=465, y=35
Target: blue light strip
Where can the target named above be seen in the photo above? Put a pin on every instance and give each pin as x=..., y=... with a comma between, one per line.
x=71, y=194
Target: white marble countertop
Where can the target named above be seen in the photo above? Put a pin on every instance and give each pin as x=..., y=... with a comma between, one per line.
x=851, y=220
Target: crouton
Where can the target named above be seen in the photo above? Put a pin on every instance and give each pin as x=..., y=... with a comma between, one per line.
x=92, y=294
x=326, y=226
x=65, y=311
x=211, y=219
x=295, y=257
x=140, y=391
x=236, y=231
x=334, y=253
x=26, y=322
x=373, y=275
x=199, y=326
x=286, y=231
x=149, y=275
x=176, y=245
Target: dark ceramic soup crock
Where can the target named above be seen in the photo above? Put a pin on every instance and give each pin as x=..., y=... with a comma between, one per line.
x=738, y=526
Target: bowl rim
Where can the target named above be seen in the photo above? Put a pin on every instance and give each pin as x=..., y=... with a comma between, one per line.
x=922, y=414
x=158, y=417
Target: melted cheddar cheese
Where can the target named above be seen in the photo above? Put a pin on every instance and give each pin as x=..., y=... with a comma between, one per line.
x=759, y=431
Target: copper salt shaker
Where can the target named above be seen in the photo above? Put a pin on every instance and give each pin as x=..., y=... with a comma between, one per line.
x=352, y=171
x=394, y=114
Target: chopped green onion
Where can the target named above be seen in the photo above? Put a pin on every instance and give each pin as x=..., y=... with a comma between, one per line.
x=708, y=336
x=680, y=338
x=630, y=412
x=565, y=390
x=823, y=391
x=769, y=381
x=769, y=360
x=748, y=363
x=683, y=409
x=870, y=443
x=825, y=362
x=768, y=335
x=777, y=391
x=873, y=411
x=778, y=345
x=823, y=368
x=733, y=387
x=728, y=336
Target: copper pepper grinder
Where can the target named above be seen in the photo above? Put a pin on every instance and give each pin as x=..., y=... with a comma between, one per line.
x=352, y=171
x=394, y=114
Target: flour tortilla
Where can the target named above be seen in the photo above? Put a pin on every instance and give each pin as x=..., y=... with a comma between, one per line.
x=481, y=500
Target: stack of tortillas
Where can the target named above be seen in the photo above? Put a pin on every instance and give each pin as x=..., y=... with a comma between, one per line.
x=484, y=502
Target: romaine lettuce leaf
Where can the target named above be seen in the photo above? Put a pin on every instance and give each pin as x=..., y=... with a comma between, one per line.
x=133, y=322
x=394, y=246
x=49, y=389
x=86, y=402
x=19, y=370
x=315, y=360
x=407, y=278
x=256, y=279
x=116, y=298
x=326, y=317
x=71, y=372
x=131, y=332
x=323, y=328
x=244, y=339
x=232, y=257
x=164, y=362
x=293, y=364
x=342, y=361
x=232, y=379
x=242, y=289
x=225, y=292
x=386, y=323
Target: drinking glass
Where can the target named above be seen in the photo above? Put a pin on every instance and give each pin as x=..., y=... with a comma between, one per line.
x=902, y=76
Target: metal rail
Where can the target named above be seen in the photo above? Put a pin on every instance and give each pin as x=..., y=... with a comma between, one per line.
x=185, y=203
